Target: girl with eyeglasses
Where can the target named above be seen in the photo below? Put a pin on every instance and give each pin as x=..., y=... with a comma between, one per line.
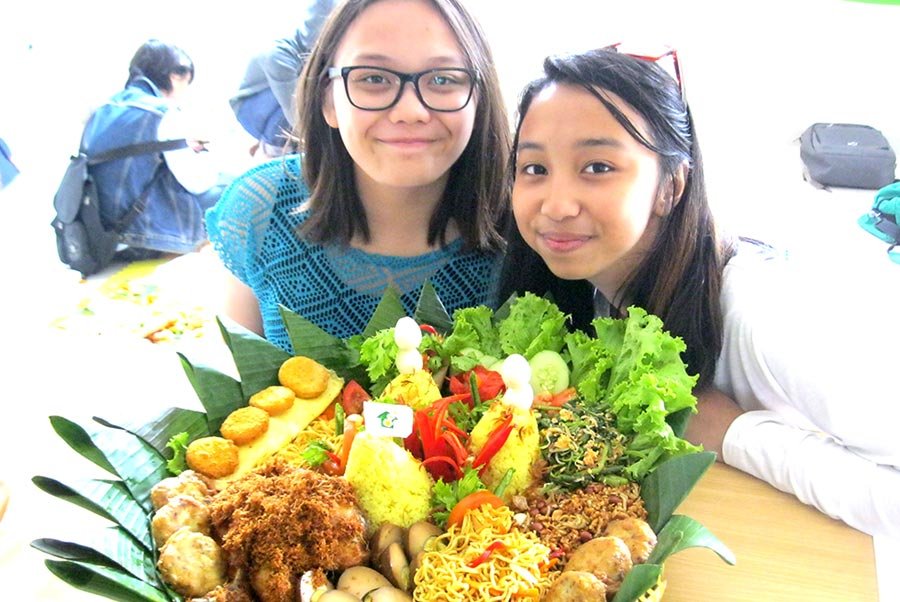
x=611, y=211
x=402, y=128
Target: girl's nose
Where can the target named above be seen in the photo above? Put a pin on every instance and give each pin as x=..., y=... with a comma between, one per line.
x=409, y=108
x=560, y=202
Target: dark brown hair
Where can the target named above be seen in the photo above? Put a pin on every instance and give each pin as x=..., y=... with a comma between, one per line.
x=157, y=61
x=474, y=196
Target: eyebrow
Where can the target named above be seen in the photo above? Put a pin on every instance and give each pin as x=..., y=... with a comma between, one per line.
x=441, y=60
x=584, y=143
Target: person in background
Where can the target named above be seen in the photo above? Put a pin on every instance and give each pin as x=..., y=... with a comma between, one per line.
x=264, y=104
x=402, y=125
x=180, y=184
x=611, y=211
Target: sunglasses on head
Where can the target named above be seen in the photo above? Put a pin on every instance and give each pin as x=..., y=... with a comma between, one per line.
x=655, y=56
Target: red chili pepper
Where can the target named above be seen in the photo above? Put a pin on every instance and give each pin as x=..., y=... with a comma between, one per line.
x=493, y=547
x=443, y=467
x=459, y=451
x=429, y=329
x=451, y=426
x=557, y=400
x=494, y=442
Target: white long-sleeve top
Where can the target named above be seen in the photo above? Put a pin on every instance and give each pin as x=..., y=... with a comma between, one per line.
x=815, y=365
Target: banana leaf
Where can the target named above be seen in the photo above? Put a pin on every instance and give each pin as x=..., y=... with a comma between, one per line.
x=431, y=310
x=158, y=431
x=219, y=393
x=109, y=499
x=102, y=581
x=79, y=440
x=311, y=341
x=389, y=310
x=116, y=548
x=667, y=486
x=256, y=359
x=638, y=580
x=137, y=463
x=683, y=532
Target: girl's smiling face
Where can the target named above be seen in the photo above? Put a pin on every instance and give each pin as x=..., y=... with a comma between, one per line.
x=406, y=145
x=586, y=196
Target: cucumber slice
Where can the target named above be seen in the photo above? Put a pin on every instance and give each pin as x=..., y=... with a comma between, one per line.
x=549, y=372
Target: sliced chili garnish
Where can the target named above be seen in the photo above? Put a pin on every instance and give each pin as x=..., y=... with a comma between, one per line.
x=493, y=547
x=429, y=329
x=557, y=400
x=459, y=451
x=443, y=467
x=494, y=442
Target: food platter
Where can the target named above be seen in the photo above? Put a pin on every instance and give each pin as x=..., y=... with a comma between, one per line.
x=629, y=371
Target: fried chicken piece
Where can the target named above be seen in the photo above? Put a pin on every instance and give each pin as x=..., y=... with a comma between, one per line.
x=306, y=377
x=278, y=522
x=214, y=457
x=275, y=400
x=181, y=511
x=189, y=483
x=245, y=425
x=191, y=563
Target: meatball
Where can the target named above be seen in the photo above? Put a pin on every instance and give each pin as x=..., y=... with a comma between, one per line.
x=191, y=563
x=181, y=511
x=188, y=483
x=636, y=534
x=575, y=586
x=607, y=558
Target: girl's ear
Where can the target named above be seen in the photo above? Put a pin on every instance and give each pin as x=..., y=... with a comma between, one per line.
x=670, y=193
x=328, y=111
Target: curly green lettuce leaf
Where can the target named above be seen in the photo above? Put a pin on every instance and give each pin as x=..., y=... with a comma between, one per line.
x=378, y=353
x=473, y=328
x=177, y=464
x=534, y=324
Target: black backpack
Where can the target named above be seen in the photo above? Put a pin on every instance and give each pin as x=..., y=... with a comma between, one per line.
x=82, y=241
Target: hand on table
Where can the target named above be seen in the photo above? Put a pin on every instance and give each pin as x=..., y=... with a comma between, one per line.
x=715, y=413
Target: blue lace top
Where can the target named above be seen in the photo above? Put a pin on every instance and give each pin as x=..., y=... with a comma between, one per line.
x=253, y=228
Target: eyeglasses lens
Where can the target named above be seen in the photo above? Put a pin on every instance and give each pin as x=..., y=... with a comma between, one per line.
x=439, y=89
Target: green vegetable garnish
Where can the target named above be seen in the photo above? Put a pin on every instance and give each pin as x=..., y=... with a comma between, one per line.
x=444, y=496
x=178, y=444
x=315, y=453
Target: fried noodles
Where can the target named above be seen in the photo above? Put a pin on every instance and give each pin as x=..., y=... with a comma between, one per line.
x=467, y=563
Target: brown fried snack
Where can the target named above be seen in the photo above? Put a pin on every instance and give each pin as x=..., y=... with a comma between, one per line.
x=191, y=563
x=274, y=400
x=245, y=425
x=181, y=511
x=278, y=522
x=306, y=377
x=188, y=483
x=213, y=457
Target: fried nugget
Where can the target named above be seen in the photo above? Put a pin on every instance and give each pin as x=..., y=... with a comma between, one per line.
x=214, y=457
x=180, y=511
x=274, y=400
x=245, y=425
x=188, y=483
x=306, y=377
x=191, y=563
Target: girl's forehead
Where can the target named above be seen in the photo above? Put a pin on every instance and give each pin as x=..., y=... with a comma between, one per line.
x=397, y=31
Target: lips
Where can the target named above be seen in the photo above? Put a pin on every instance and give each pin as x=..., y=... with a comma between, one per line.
x=407, y=143
x=563, y=242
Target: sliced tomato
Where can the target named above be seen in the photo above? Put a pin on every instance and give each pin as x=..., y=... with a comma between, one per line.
x=470, y=502
x=352, y=398
x=490, y=383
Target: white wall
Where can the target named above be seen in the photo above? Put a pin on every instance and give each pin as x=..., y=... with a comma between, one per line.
x=757, y=73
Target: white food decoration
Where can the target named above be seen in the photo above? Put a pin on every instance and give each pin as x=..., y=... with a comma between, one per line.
x=408, y=336
x=516, y=375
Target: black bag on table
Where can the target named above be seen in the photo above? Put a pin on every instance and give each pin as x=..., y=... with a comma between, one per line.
x=82, y=241
x=846, y=155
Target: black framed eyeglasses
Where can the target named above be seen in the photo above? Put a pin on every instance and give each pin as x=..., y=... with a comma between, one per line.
x=446, y=89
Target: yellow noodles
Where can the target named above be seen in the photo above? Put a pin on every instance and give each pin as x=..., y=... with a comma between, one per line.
x=320, y=429
x=516, y=570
